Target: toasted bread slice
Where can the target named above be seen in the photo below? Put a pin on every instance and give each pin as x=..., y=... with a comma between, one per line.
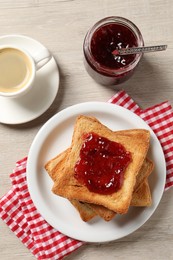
x=144, y=173
x=146, y=168
x=138, y=198
x=53, y=164
x=141, y=195
x=102, y=211
x=137, y=143
x=88, y=211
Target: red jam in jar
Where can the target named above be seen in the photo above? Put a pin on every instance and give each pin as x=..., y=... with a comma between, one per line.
x=102, y=39
x=102, y=164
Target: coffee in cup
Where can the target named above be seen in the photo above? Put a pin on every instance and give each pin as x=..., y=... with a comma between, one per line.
x=18, y=68
x=15, y=70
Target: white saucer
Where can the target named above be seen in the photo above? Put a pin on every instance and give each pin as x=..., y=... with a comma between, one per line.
x=40, y=97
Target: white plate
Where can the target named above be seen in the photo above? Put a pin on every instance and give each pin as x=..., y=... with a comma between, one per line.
x=40, y=97
x=53, y=138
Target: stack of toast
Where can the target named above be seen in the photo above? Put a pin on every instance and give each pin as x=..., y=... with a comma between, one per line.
x=135, y=190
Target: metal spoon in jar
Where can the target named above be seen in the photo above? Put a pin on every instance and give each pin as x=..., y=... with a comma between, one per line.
x=137, y=50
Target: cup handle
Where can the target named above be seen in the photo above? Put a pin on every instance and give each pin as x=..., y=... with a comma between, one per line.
x=41, y=58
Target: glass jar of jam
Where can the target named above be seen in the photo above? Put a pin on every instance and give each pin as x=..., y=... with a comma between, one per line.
x=102, y=39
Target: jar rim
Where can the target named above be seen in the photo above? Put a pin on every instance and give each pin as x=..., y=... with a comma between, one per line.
x=87, y=50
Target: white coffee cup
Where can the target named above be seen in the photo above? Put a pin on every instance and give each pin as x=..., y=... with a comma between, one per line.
x=18, y=69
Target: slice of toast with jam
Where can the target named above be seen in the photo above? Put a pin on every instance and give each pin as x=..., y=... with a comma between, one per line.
x=136, y=143
x=141, y=195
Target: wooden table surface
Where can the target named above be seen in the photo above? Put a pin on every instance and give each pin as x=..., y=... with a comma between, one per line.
x=61, y=26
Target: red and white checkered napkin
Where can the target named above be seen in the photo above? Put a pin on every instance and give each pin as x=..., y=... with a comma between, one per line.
x=160, y=119
x=19, y=213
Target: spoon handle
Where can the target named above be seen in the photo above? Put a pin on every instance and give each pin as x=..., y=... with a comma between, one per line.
x=137, y=50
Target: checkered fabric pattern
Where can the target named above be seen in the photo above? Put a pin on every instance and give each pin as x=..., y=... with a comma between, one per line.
x=160, y=119
x=19, y=213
